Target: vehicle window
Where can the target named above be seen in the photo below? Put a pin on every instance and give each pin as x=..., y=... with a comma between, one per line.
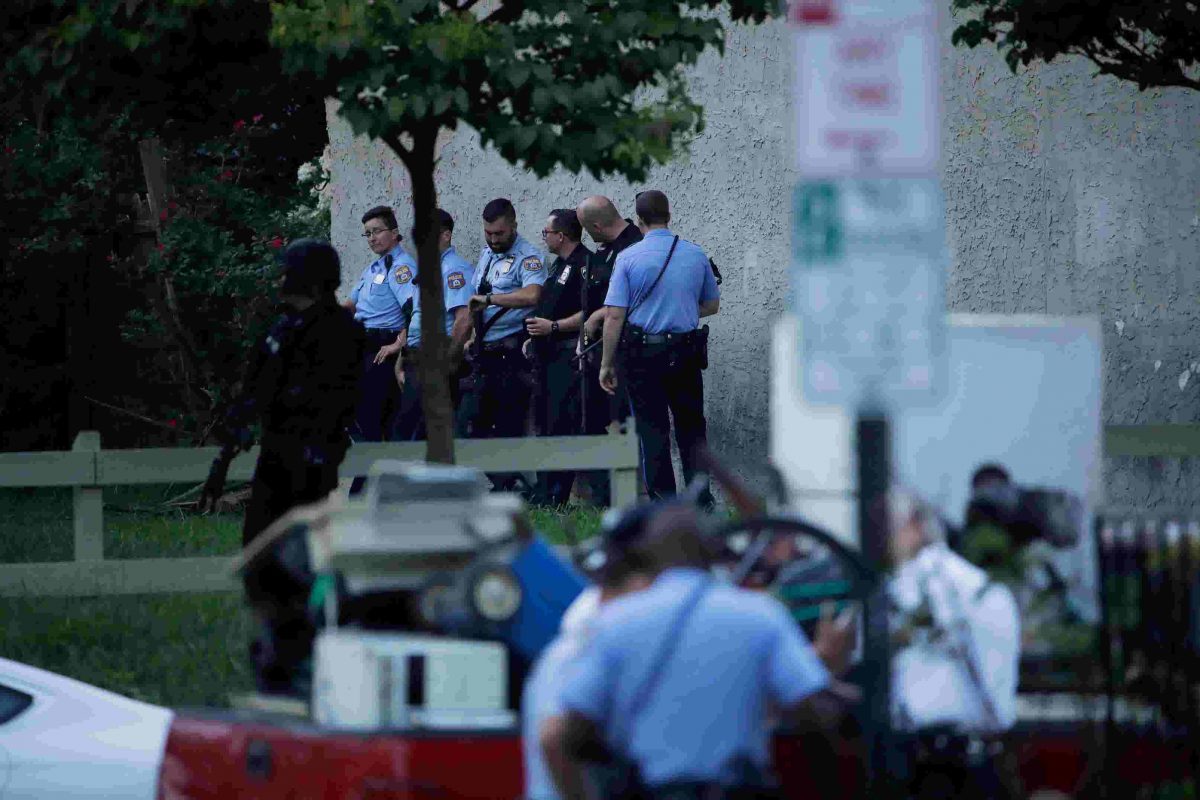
x=12, y=703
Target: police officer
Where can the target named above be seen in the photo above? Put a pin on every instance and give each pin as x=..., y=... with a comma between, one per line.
x=553, y=329
x=954, y=673
x=677, y=679
x=613, y=233
x=617, y=575
x=507, y=285
x=456, y=278
x=660, y=289
x=382, y=300
x=302, y=384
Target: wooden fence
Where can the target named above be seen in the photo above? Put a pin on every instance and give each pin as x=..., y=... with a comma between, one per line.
x=88, y=468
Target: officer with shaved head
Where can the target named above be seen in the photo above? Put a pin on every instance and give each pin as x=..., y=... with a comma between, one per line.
x=613, y=234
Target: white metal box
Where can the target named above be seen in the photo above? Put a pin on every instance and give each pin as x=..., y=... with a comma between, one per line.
x=372, y=681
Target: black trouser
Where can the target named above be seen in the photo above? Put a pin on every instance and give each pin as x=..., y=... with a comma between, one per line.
x=945, y=765
x=497, y=403
x=278, y=583
x=378, y=394
x=665, y=382
x=409, y=425
x=558, y=414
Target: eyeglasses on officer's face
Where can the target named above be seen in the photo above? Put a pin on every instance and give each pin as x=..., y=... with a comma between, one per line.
x=371, y=233
x=547, y=231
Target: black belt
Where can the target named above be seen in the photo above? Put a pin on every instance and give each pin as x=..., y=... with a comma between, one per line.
x=383, y=333
x=511, y=342
x=638, y=336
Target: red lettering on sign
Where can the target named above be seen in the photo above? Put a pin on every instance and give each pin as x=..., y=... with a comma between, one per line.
x=813, y=12
x=870, y=95
x=864, y=49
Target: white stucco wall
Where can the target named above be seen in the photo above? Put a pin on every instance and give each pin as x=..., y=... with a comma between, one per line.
x=1067, y=194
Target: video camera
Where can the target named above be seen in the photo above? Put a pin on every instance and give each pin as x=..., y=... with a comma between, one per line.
x=1028, y=514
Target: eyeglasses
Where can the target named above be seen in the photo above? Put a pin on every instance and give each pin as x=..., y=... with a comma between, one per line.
x=546, y=233
x=376, y=232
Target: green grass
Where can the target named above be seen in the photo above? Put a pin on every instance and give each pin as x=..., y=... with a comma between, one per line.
x=175, y=650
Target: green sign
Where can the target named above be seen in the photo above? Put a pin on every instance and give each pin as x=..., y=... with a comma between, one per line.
x=818, y=234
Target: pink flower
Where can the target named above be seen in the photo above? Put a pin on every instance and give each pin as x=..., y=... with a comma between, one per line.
x=8, y=151
x=241, y=123
x=277, y=242
x=226, y=175
x=111, y=257
x=172, y=205
x=162, y=215
x=161, y=247
x=171, y=423
x=257, y=118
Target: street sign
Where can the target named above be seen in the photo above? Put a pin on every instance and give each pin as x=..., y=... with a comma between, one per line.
x=866, y=82
x=868, y=267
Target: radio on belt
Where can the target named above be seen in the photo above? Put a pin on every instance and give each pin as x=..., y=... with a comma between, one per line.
x=434, y=536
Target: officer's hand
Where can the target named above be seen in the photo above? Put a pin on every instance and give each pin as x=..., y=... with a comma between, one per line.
x=608, y=379
x=834, y=638
x=527, y=348
x=386, y=352
x=400, y=373
x=537, y=326
x=476, y=303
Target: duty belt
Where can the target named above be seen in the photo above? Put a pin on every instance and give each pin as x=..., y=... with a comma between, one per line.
x=638, y=336
x=511, y=342
x=383, y=333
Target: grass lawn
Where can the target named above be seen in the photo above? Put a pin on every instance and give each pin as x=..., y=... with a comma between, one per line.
x=176, y=650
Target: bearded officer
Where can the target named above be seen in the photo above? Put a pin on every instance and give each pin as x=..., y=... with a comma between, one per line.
x=660, y=289
x=507, y=285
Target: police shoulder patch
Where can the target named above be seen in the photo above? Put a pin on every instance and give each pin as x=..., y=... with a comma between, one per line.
x=403, y=273
x=532, y=264
x=455, y=280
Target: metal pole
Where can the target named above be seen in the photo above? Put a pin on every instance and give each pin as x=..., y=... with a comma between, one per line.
x=873, y=448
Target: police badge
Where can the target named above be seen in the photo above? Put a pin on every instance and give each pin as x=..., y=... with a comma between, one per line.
x=455, y=280
x=506, y=265
x=403, y=273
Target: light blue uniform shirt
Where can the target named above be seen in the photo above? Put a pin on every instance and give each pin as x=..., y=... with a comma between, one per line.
x=738, y=652
x=519, y=266
x=456, y=289
x=381, y=292
x=674, y=306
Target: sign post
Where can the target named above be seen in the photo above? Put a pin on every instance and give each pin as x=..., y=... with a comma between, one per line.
x=869, y=262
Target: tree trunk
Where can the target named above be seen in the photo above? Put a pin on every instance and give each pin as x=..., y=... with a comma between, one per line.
x=433, y=370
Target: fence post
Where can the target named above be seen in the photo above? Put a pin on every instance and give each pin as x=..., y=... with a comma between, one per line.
x=89, y=506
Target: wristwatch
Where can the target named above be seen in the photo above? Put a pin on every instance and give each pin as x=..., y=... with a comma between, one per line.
x=554, y=326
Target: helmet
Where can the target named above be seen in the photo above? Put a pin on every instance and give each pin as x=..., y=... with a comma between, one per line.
x=310, y=266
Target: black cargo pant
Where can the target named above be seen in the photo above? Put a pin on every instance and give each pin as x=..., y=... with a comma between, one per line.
x=278, y=583
x=495, y=402
x=378, y=394
x=665, y=381
x=558, y=413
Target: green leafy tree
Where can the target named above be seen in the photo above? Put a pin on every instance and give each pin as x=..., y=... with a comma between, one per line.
x=83, y=82
x=583, y=85
x=1155, y=43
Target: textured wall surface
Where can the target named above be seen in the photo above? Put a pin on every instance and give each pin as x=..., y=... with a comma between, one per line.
x=1066, y=194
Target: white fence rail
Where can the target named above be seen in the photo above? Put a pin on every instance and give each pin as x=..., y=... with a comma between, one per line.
x=88, y=468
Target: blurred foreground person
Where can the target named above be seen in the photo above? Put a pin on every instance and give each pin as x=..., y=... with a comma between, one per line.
x=302, y=384
x=619, y=575
x=672, y=695
x=956, y=639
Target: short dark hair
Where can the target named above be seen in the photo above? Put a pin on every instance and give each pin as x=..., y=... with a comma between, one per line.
x=990, y=472
x=384, y=213
x=500, y=207
x=653, y=208
x=445, y=221
x=567, y=222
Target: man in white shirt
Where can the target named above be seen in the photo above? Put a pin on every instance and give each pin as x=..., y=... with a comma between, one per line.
x=957, y=644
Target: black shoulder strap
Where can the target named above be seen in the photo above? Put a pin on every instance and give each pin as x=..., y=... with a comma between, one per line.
x=658, y=278
x=666, y=649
